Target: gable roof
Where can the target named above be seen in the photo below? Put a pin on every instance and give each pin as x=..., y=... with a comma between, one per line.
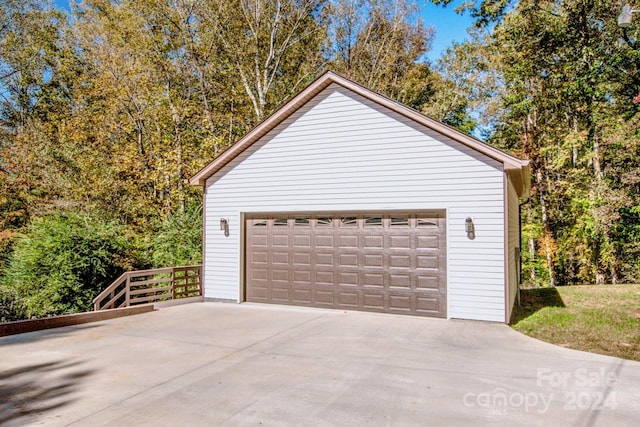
x=517, y=169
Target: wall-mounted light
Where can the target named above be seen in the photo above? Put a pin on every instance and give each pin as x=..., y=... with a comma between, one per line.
x=469, y=228
x=624, y=19
x=224, y=225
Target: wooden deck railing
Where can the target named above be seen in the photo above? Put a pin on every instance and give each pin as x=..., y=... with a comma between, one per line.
x=149, y=286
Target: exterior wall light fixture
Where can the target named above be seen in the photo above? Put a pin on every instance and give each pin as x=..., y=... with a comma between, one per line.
x=224, y=225
x=624, y=19
x=470, y=228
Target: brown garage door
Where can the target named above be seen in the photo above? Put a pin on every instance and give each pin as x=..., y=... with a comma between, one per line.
x=391, y=263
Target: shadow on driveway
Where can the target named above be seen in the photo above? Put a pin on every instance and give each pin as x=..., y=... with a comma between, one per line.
x=33, y=390
x=45, y=334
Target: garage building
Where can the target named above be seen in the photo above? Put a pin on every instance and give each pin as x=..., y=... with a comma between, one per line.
x=346, y=199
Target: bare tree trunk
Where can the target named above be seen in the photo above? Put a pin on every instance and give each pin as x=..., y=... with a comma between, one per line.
x=532, y=256
x=177, y=142
x=270, y=30
x=205, y=105
x=597, y=164
x=196, y=63
x=600, y=188
x=547, y=228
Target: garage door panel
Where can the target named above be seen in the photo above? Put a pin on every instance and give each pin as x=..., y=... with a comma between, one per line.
x=302, y=259
x=400, y=280
x=400, y=260
x=259, y=294
x=373, y=279
x=372, y=300
x=302, y=296
x=324, y=297
x=324, y=259
x=348, y=278
x=373, y=242
x=428, y=282
x=401, y=302
x=374, y=262
x=429, y=306
x=279, y=257
x=302, y=276
x=348, y=242
x=280, y=275
x=259, y=241
x=259, y=274
x=302, y=241
x=347, y=298
x=400, y=242
x=280, y=241
x=259, y=257
x=427, y=261
x=325, y=242
x=348, y=259
x=325, y=277
x=280, y=293
x=426, y=242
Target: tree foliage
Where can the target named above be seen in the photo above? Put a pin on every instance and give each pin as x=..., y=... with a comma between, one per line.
x=569, y=75
x=179, y=239
x=63, y=261
x=377, y=43
x=111, y=108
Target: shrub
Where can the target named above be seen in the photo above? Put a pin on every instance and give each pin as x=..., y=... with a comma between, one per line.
x=10, y=306
x=179, y=239
x=63, y=261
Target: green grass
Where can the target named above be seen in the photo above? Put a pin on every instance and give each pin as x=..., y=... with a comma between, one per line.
x=599, y=319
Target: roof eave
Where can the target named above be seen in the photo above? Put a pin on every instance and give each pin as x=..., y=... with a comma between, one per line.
x=510, y=162
x=288, y=108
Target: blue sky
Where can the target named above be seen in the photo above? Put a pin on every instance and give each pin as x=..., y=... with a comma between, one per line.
x=448, y=24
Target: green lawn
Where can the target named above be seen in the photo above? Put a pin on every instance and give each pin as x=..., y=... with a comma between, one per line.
x=600, y=319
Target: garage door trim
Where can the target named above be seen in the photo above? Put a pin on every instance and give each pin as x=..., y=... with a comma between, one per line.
x=416, y=293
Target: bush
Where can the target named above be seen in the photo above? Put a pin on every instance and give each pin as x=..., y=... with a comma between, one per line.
x=63, y=261
x=179, y=239
x=10, y=306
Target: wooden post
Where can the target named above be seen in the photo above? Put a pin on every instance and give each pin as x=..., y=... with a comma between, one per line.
x=173, y=284
x=127, y=298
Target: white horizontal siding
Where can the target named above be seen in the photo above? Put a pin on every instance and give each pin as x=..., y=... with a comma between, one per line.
x=341, y=152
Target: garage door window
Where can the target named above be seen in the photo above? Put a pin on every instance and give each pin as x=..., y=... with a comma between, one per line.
x=399, y=222
x=373, y=222
x=426, y=223
x=349, y=221
x=324, y=222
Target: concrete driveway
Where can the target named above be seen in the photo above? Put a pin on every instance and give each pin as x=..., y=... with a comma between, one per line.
x=228, y=364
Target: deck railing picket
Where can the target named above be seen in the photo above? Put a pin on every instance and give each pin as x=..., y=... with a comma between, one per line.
x=149, y=286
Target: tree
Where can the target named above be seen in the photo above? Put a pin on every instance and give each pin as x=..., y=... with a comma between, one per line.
x=62, y=262
x=377, y=43
x=140, y=110
x=563, y=97
x=486, y=12
x=178, y=240
x=32, y=101
x=274, y=47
